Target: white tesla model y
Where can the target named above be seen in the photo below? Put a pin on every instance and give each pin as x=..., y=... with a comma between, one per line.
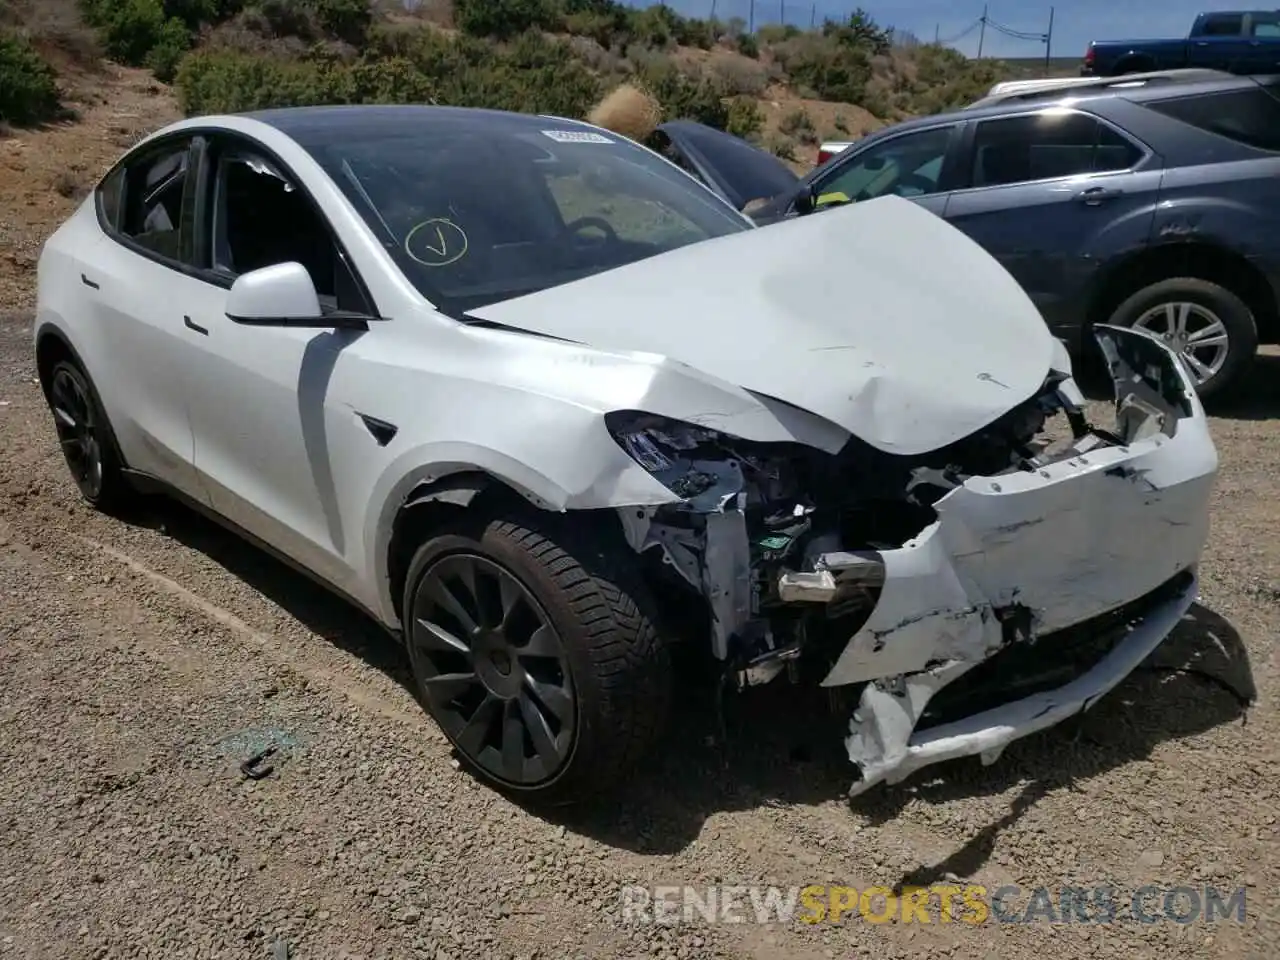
x=523, y=389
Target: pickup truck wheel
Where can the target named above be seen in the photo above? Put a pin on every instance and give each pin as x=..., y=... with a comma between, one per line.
x=531, y=648
x=87, y=442
x=1207, y=325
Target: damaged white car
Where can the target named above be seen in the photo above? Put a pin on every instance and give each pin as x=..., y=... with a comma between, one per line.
x=543, y=404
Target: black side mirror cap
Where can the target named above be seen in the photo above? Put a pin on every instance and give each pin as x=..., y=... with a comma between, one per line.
x=803, y=202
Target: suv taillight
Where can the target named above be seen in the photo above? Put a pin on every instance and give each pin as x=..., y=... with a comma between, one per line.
x=1088, y=56
x=824, y=156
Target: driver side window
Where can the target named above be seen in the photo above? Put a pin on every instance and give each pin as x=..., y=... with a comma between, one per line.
x=261, y=218
x=908, y=166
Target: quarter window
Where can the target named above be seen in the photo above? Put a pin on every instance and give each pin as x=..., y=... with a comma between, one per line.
x=1266, y=25
x=908, y=166
x=1046, y=146
x=1251, y=116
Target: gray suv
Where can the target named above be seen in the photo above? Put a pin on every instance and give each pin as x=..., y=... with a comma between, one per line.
x=1146, y=204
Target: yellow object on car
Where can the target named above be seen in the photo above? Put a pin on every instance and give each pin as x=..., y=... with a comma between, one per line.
x=834, y=197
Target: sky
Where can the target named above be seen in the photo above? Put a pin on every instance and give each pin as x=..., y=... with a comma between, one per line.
x=1075, y=22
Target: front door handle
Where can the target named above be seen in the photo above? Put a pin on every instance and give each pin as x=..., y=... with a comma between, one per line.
x=92, y=284
x=1096, y=195
x=192, y=325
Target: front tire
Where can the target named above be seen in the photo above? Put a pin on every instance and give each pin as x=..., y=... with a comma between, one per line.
x=533, y=650
x=1211, y=329
x=87, y=441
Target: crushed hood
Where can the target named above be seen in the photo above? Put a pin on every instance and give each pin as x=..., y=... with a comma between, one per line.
x=879, y=317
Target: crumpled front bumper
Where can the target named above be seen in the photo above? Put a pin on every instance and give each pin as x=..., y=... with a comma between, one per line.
x=1018, y=558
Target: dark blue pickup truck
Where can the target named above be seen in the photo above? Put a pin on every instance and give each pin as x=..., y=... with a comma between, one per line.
x=1238, y=41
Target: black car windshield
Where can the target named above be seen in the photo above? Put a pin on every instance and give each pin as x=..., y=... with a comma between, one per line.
x=478, y=207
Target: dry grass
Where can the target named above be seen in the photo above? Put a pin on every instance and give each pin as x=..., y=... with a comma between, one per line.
x=629, y=111
x=57, y=30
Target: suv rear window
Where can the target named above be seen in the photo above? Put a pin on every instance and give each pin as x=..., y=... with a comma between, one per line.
x=1251, y=117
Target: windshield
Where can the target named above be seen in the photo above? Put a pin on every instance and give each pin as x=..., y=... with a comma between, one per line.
x=479, y=207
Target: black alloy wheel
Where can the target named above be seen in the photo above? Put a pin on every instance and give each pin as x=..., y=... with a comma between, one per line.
x=79, y=430
x=494, y=670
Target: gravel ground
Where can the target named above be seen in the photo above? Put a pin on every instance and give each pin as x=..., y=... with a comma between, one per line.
x=139, y=663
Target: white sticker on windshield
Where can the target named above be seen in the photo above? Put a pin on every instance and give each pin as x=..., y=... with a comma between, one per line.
x=575, y=136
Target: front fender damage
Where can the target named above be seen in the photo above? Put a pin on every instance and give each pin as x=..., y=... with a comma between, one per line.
x=990, y=590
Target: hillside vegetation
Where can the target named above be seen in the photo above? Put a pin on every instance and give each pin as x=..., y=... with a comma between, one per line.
x=782, y=86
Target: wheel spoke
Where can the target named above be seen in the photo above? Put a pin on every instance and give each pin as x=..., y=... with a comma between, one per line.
x=556, y=699
x=453, y=606
x=1179, y=320
x=1213, y=332
x=472, y=735
x=511, y=597
x=438, y=638
x=542, y=643
x=512, y=741
x=1201, y=371
x=544, y=742
x=64, y=418
x=449, y=686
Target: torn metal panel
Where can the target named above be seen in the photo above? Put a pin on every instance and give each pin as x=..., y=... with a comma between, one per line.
x=882, y=753
x=1024, y=554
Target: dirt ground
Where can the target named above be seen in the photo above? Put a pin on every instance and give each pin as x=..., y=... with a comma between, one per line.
x=141, y=662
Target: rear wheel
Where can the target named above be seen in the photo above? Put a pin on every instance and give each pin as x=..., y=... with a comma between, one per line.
x=533, y=651
x=88, y=445
x=1207, y=325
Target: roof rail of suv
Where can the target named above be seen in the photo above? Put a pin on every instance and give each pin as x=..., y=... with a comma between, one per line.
x=1059, y=86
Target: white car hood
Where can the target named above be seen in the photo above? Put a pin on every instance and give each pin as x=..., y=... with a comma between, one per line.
x=879, y=317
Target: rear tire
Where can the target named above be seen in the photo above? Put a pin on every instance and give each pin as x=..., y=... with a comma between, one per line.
x=1208, y=325
x=87, y=441
x=547, y=630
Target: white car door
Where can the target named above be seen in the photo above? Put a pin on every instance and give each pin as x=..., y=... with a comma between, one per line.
x=136, y=292
x=265, y=403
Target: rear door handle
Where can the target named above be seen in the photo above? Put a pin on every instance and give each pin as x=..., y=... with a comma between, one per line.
x=192, y=325
x=92, y=284
x=1095, y=195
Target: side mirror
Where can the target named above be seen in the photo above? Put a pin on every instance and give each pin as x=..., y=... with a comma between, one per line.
x=283, y=295
x=804, y=202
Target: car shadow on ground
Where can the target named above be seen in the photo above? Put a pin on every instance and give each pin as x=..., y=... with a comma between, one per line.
x=782, y=745
x=314, y=606
x=1258, y=397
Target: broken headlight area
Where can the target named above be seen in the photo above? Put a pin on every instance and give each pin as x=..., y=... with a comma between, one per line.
x=782, y=541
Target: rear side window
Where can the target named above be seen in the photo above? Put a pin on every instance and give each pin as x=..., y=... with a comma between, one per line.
x=1047, y=146
x=1251, y=117
x=1222, y=25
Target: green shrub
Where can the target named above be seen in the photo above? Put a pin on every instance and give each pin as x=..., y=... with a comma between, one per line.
x=172, y=43
x=748, y=46
x=686, y=96
x=532, y=74
x=227, y=81
x=28, y=91
x=503, y=19
x=744, y=118
x=831, y=71
x=346, y=20
x=129, y=28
